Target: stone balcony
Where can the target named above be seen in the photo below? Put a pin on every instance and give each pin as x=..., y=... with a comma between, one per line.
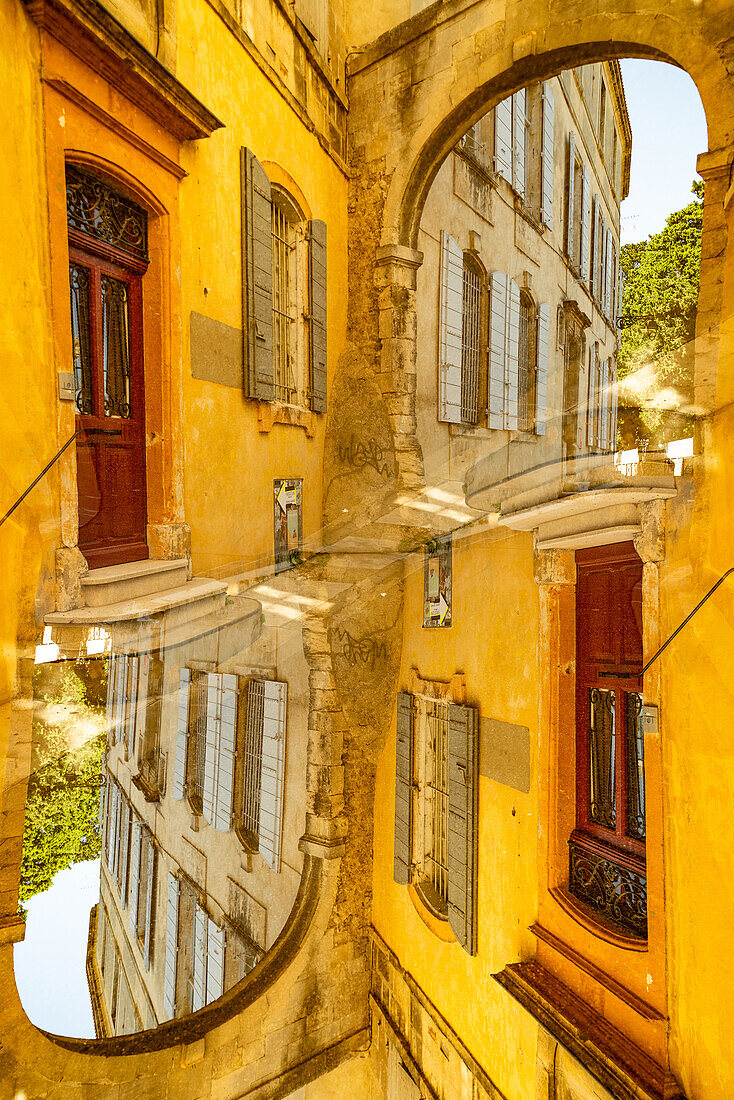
x=587, y=501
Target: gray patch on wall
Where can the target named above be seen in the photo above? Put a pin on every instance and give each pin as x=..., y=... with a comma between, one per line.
x=504, y=754
x=216, y=351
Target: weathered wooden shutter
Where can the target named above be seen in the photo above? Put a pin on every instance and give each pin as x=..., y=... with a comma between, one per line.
x=226, y=752
x=585, y=221
x=612, y=383
x=463, y=793
x=403, y=790
x=120, y=696
x=541, y=385
x=126, y=828
x=150, y=898
x=602, y=261
x=497, y=348
x=317, y=312
x=503, y=138
x=594, y=244
x=570, y=186
x=547, y=154
x=131, y=715
x=518, y=142
x=214, y=961
x=449, y=367
x=591, y=403
x=111, y=683
x=169, y=977
x=257, y=279
x=198, y=992
x=115, y=842
x=272, y=773
x=182, y=733
x=135, y=875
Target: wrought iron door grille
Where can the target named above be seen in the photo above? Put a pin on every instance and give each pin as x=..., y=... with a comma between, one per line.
x=636, y=825
x=615, y=892
x=471, y=349
x=94, y=208
x=437, y=790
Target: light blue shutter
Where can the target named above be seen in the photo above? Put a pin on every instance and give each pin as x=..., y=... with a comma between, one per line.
x=272, y=772
x=503, y=139
x=593, y=264
x=226, y=755
x=518, y=141
x=450, y=324
x=570, y=185
x=513, y=352
x=182, y=732
x=135, y=875
x=198, y=993
x=541, y=387
x=547, y=154
x=585, y=221
x=215, y=962
x=126, y=824
x=169, y=979
x=608, y=276
x=150, y=900
x=131, y=709
x=141, y=708
x=211, y=755
x=497, y=348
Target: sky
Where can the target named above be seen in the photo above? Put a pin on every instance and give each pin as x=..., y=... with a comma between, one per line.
x=50, y=963
x=668, y=133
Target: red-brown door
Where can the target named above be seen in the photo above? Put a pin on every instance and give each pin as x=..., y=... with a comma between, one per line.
x=106, y=317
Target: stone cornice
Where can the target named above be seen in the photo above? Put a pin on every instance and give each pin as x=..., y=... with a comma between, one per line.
x=97, y=39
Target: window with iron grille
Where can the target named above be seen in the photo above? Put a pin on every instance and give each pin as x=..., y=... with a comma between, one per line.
x=290, y=281
x=251, y=741
x=196, y=755
x=527, y=364
x=471, y=341
x=431, y=807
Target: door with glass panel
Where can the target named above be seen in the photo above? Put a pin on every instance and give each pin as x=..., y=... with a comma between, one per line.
x=107, y=258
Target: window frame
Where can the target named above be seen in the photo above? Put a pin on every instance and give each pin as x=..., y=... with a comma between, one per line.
x=527, y=395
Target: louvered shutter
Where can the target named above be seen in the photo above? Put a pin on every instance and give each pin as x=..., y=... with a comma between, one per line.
x=102, y=805
x=541, y=387
x=518, y=142
x=317, y=325
x=257, y=278
x=449, y=369
x=403, y=790
x=126, y=823
x=198, y=993
x=111, y=683
x=120, y=695
x=182, y=732
x=585, y=221
x=594, y=242
x=169, y=977
x=603, y=402
x=115, y=822
x=211, y=753
x=612, y=383
x=462, y=878
x=570, y=184
x=591, y=403
x=503, y=139
x=602, y=262
x=547, y=154
x=131, y=710
x=497, y=348
x=608, y=275
x=226, y=754
x=141, y=709
x=135, y=875
x=513, y=356
x=150, y=898
x=214, y=962
x=272, y=772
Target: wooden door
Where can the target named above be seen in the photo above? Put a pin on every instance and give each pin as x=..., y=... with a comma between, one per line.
x=106, y=318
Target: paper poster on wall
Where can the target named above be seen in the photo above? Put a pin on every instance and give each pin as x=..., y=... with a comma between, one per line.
x=288, y=521
x=437, y=582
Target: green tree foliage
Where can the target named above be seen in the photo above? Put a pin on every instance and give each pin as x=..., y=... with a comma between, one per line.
x=62, y=808
x=660, y=296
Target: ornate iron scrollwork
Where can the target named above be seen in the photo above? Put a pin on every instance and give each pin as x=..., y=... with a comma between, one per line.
x=92, y=207
x=613, y=891
x=602, y=745
x=635, y=767
x=81, y=337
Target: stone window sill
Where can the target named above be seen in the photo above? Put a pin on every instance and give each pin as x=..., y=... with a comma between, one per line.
x=275, y=412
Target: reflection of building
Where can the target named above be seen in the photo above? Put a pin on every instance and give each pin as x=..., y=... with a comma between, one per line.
x=201, y=810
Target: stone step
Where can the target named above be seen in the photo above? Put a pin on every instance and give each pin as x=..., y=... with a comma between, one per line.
x=115, y=584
